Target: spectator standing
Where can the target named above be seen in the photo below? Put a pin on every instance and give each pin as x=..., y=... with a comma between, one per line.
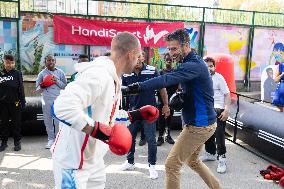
x=49, y=83
x=12, y=101
x=222, y=101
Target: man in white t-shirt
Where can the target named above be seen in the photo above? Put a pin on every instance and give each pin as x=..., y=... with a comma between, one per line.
x=222, y=102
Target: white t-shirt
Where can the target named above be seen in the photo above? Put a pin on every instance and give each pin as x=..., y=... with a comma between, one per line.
x=220, y=88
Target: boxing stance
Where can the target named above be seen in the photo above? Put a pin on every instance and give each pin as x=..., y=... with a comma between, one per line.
x=198, y=109
x=87, y=110
x=49, y=83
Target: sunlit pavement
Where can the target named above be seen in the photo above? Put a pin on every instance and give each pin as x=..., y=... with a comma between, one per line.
x=31, y=168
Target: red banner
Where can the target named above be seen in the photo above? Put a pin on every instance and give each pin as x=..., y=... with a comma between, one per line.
x=68, y=30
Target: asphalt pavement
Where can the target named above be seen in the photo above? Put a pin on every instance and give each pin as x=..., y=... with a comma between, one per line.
x=31, y=168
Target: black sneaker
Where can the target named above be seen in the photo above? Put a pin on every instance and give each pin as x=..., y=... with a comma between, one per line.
x=160, y=141
x=3, y=146
x=17, y=146
x=169, y=139
x=142, y=142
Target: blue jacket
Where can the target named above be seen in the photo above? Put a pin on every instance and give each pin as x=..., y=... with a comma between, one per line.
x=196, y=82
x=281, y=70
x=146, y=97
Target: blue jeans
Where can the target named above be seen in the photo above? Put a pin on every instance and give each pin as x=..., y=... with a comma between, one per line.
x=150, y=133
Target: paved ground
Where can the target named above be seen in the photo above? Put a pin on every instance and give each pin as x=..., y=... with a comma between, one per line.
x=31, y=169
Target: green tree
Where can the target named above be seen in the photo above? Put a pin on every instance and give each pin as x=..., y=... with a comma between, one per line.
x=259, y=5
x=139, y=10
x=27, y=5
x=9, y=9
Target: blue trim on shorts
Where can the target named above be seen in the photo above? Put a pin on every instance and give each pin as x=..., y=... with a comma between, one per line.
x=68, y=179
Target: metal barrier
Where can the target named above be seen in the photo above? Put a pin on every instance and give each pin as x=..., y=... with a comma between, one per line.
x=238, y=124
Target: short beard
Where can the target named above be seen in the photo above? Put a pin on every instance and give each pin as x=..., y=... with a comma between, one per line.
x=168, y=66
x=178, y=59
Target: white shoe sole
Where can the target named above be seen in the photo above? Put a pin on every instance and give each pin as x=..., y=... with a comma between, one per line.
x=128, y=169
x=220, y=172
x=204, y=160
x=154, y=178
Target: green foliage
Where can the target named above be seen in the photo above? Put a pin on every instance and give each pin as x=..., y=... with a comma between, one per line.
x=176, y=13
x=273, y=6
x=261, y=19
x=265, y=19
x=27, y=5
x=228, y=16
x=9, y=9
x=140, y=11
x=38, y=54
x=38, y=48
x=1, y=66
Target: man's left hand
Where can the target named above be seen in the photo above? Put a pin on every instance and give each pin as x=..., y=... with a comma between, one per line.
x=132, y=89
x=166, y=111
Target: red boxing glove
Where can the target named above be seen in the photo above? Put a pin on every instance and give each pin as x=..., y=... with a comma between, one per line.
x=281, y=182
x=272, y=173
x=47, y=81
x=117, y=137
x=148, y=113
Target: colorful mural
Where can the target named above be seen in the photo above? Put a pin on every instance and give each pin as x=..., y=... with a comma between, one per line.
x=232, y=40
x=8, y=39
x=36, y=41
x=157, y=54
x=96, y=51
x=268, y=85
x=268, y=49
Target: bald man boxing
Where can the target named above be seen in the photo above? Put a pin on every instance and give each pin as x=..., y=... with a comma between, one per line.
x=87, y=110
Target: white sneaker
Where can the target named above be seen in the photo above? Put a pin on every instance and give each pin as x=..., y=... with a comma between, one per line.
x=127, y=166
x=207, y=157
x=222, y=166
x=49, y=144
x=153, y=172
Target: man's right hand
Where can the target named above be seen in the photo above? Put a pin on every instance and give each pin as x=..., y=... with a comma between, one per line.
x=47, y=81
x=148, y=113
x=132, y=89
x=117, y=137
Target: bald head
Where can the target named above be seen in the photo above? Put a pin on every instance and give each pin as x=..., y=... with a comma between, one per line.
x=125, y=51
x=124, y=42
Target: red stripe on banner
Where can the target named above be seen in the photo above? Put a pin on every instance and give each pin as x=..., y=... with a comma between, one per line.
x=82, y=150
x=68, y=30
